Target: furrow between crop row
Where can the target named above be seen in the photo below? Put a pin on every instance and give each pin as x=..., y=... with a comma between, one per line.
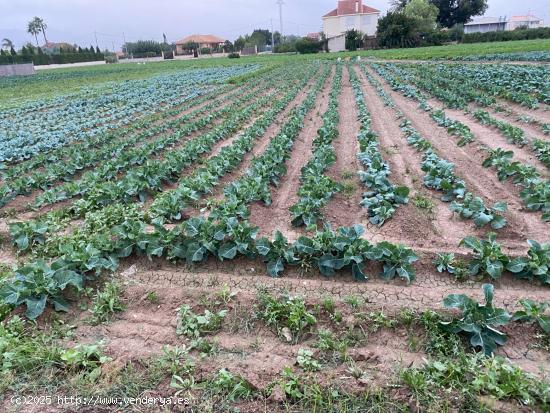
x=536, y=190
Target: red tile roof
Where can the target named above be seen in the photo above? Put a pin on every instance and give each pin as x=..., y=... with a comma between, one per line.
x=201, y=38
x=348, y=7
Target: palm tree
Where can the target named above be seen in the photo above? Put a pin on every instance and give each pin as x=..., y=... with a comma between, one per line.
x=33, y=29
x=36, y=26
x=42, y=26
x=7, y=44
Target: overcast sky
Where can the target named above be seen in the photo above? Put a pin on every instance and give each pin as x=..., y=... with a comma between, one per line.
x=75, y=21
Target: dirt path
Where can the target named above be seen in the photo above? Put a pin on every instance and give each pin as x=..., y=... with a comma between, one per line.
x=425, y=292
x=491, y=137
x=246, y=346
x=541, y=114
x=482, y=181
x=531, y=130
x=343, y=210
x=410, y=225
x=276, y=216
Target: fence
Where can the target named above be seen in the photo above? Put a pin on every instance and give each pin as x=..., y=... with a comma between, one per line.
x=46, y=59
x=17, y=70
x=247, y=51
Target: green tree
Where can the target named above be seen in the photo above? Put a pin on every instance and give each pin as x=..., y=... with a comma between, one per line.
x=228, y=47
x=306, y=46
x=424, y=13
x=7, y=44
x=190, y=46
x=354, y=40
x=239, y=43
x=396, y=29
x=261, y=37
x=13, y=52
x=453, y=12
x=277, y=37
x=399, y=5
x=31, y=48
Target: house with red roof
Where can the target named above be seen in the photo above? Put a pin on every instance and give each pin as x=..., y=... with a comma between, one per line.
x=348, y=15
x=204, y=41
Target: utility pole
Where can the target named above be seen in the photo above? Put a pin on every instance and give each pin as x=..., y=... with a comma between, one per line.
x=280, y=3
x=124, y=38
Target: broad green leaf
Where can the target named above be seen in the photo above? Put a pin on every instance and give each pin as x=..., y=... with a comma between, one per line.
x=195, y=252
x=228, y=251
x=488, y=292
x=494, y=268
x=275, y=267
x=544, y=323
x=35, y=306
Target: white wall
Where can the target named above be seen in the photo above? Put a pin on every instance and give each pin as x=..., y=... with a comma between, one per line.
x=21, y=69
x=65, y=65
x=512, y=25
x=337, y=44
x=365, y=23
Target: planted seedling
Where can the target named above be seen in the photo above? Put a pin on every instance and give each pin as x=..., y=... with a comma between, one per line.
x=474, y=208
x=233, y=387
x=194, y=326
x=107, y=302
x=306, y=361
x=535, y=265
x=397, y=260
x=446, y=262
x=534, y=312
x=489, y=258
x=478, y=321
x=287, y=314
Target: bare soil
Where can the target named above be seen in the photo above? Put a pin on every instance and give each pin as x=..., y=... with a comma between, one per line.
x=276, y=216
x=492, y=138
x=343, y=210
x=249, y=348
x=468, y=165
x=410, y=225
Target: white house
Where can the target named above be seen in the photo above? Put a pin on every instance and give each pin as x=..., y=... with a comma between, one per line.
x=529, y=21
x=493, y=24
x=350, y=14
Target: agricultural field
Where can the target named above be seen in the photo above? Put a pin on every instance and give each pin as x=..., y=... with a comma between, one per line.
x=285, y=234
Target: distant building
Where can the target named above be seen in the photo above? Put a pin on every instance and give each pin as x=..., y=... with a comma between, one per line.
x=493, y=24
x=350, y=14
x=314, y=36
x=486, y=24
x=55, y=48
x=203, y=40
x=530, y=22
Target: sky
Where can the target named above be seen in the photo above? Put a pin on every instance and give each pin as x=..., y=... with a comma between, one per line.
x=112, y=21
